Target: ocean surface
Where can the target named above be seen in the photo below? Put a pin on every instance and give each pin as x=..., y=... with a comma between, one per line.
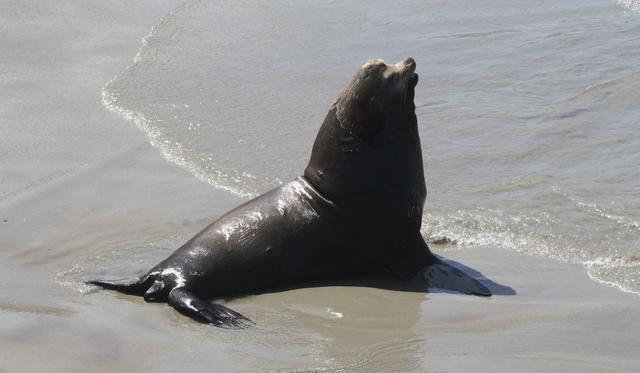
x=528, y=112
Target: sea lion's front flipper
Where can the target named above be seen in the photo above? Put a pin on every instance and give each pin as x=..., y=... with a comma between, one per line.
x=188, y=304
x=445, y=276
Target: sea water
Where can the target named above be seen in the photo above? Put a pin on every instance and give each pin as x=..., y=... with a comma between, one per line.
x=528, y=111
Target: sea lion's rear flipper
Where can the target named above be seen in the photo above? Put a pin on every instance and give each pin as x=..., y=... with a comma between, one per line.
x=133, y=286
x=445, y=276
x=188, y=304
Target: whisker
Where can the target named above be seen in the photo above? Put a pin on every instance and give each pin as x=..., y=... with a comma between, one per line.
x=405, y=84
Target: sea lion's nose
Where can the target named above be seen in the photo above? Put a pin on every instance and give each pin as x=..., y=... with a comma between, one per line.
x=410, y=63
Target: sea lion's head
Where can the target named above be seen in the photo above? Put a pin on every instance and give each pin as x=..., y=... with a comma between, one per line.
x=377, y=95
x=368, y=148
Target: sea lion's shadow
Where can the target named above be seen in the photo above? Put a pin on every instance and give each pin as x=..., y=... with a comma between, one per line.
x=385, y=281
x=494, y=287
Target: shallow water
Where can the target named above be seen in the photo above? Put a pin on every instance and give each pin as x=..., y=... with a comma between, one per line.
x=528, y=112
x=83, y=194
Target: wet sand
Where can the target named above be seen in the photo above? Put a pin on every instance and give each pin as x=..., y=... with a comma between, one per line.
x=95, y=192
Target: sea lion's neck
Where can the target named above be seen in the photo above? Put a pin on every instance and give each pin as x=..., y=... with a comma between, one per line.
x=333, y=156
x=309, y=188
x=353, y=173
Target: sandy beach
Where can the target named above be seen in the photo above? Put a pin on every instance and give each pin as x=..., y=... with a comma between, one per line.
x=83, y=192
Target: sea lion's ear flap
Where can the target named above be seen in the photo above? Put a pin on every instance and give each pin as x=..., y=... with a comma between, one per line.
x=358, y=112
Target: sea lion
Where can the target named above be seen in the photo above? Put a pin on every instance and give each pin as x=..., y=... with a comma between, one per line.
x=357, y=209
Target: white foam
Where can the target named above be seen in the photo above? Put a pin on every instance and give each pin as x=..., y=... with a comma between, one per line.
x=632, y=5
x=171, y=151
x=61, y=278
x=532, y=235
x=595, y=209
x=596, y=267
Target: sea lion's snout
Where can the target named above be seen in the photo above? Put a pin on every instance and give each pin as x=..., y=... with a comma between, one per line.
x=410, y=64
x=403, y=69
